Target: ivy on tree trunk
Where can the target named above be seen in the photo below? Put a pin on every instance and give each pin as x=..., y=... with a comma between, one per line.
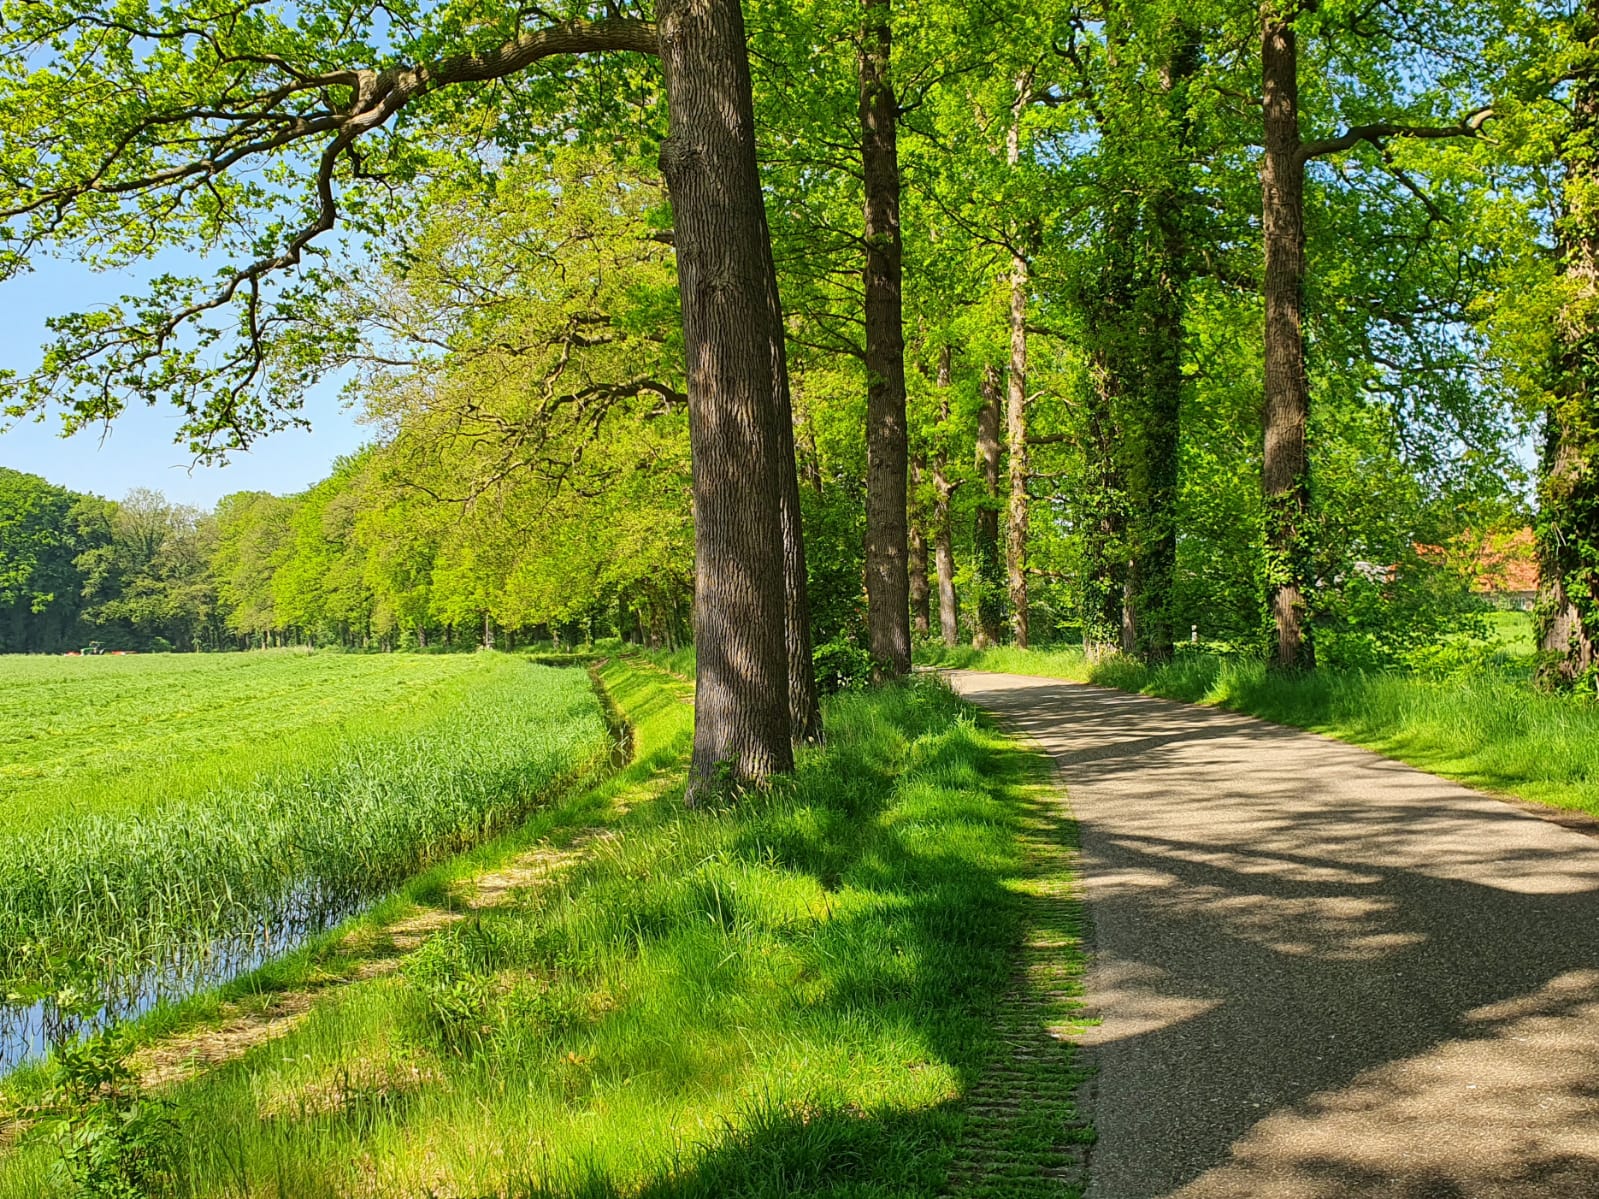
x=1568, y=490
x=887, y=580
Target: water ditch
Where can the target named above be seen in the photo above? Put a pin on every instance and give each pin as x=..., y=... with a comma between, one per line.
x=32, y=1025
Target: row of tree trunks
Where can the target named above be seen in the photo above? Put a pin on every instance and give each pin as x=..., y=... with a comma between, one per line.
x=1285, y=474
x=1568, y=493
x=887, y=577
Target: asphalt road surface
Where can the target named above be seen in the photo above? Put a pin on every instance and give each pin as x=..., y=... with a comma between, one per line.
x=1320, y=974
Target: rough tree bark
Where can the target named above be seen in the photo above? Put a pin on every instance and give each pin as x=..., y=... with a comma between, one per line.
x=921, y=598
x=1016, y=398
x=724, y=265
x=804, y=705
x=990, y=566
x=1568, y=487
x=943, y=534
x=1153, y=575
x=887, y=581
x=1286, y=473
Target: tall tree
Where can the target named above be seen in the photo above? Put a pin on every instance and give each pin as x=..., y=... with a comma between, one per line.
x=921, y=596
x=1286, y=409
x=283, y=96
x=887, y=437
x=1568, y=492
x=990, y=575
x=943, y=526
x=1285, y=475
x=1016, y=388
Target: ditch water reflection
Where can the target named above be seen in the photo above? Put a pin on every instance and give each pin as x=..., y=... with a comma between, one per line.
x=29, y=1031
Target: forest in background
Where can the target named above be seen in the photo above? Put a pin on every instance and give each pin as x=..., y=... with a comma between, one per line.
x=1087, y=322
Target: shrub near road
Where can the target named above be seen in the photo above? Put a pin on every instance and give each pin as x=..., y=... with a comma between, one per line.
x=315, y=783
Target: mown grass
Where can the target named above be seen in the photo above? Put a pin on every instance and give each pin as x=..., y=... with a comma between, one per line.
x=1487, y=728
x=129, y=734
x=788, y=996
x=117, y=904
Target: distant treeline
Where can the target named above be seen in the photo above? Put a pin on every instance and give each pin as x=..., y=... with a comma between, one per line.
x=261, y=570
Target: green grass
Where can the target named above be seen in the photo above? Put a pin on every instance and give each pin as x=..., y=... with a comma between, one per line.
x=1511, y=631
x=792, y=995
x=319, y=781
x=128, y=734
x=1487, y=728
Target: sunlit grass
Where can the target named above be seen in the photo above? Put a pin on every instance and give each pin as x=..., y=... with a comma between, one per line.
x=791, y=995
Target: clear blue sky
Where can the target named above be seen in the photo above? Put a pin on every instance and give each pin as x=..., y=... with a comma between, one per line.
x=139, y=450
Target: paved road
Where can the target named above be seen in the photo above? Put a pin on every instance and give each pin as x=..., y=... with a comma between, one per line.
x=1321, y=974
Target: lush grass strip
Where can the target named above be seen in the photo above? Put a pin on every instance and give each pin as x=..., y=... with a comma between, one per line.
x=797, y=994
x=1486, y=728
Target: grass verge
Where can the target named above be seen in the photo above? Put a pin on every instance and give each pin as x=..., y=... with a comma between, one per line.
x=1484, y=728
x=798, y=994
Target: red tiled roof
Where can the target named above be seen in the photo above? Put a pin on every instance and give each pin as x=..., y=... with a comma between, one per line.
x=1505, y=562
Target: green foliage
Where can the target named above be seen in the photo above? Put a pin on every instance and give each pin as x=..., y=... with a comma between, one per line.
x=841, y=666
x=115, y=1141
x=49, y=537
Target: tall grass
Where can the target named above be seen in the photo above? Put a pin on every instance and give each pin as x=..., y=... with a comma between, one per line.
x=789, y=996
x=1489, y=728
x=120, y=906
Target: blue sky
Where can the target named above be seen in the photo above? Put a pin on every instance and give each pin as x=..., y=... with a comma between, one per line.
x=139, y=450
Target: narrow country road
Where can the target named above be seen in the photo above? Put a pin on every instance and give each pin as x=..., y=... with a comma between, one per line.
x=1320, y=974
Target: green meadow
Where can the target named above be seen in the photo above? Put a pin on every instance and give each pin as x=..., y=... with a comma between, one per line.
x=166, y=815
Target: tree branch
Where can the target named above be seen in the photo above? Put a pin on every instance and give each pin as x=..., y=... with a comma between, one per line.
x=1379, y=133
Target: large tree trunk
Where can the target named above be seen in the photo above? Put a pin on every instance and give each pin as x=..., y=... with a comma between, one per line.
x=1153, y=576
x=1016, y=401
x=1286, y=473
x=724, y=266
x=804, y=706
x=887, y=586
x=990, y=568
x=1568, y=490
x=921, y=598
x=943, y=533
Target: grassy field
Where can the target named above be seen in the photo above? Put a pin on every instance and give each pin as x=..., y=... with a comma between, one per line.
x=163, y=810
x=796, y=995
x=1487, y=728
x=80, y=735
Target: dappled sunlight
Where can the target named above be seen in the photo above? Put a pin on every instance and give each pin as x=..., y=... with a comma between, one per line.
x=1512, y=1111
x=1320, y=973
x=1131, y=1000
